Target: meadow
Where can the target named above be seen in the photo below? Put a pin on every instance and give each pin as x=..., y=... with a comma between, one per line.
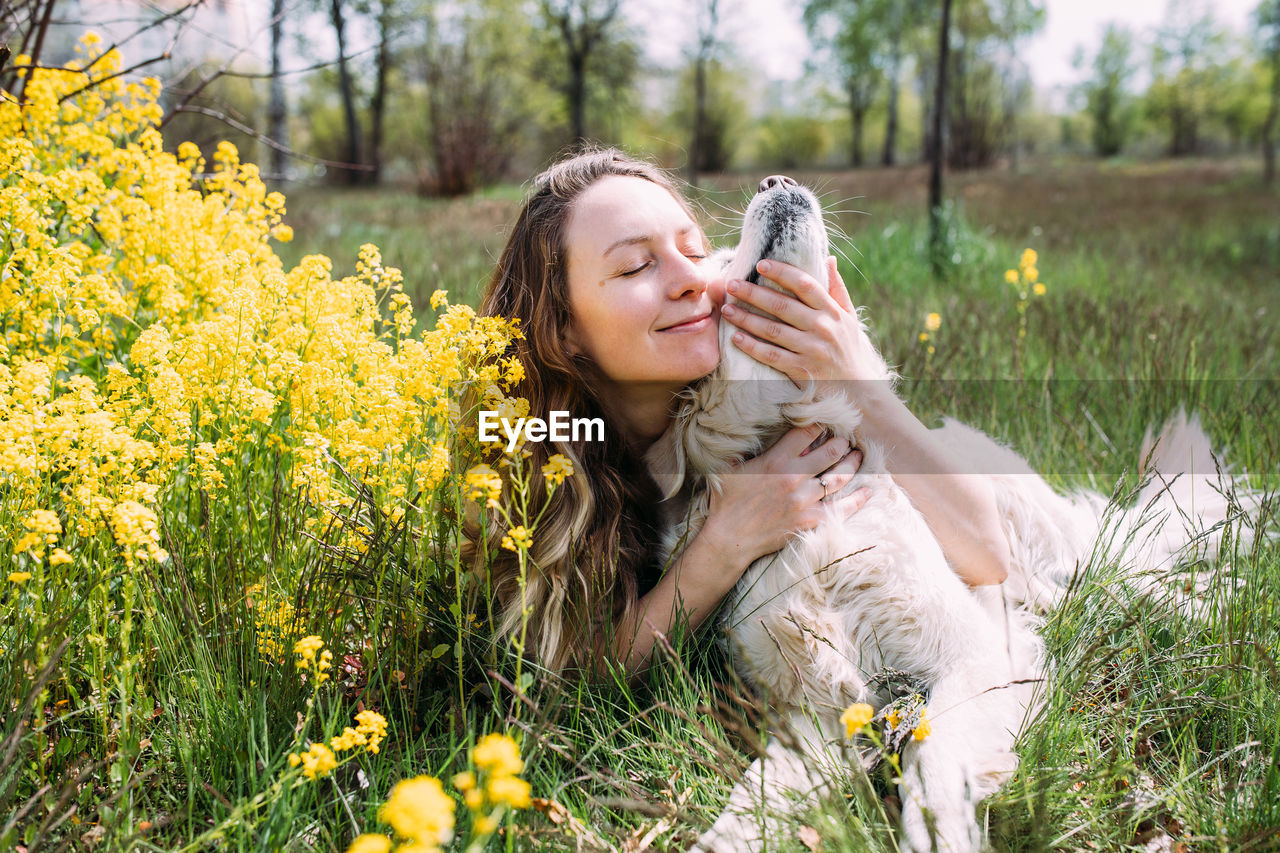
x=234, y=611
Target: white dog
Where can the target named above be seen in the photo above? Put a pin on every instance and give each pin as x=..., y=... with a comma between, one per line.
x=817, y=626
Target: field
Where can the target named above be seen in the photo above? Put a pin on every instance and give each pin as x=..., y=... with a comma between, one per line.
x=153, y=692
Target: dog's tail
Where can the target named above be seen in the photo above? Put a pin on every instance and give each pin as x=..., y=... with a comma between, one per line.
x=1189, y=508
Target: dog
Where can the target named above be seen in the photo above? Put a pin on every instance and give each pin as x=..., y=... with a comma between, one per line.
x=827, y=621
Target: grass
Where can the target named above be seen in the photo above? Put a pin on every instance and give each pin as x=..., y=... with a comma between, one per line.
x=1156, y=728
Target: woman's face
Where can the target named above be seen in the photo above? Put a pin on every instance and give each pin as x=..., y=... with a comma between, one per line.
x=637, y=286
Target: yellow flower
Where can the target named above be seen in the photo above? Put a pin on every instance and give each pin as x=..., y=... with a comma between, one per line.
x=370, y=843
x=464, y=781
x=1031, y=273
x=894, y=717
x=856, y=717
x=283, y=233
x=1011, y=276
x=420, y=811
x=372, y=726
x=924, y=336
x=1039, y=288
x=474, y=799
x=1029, y=258
x=316, y=762
x=59, y=557
x=509, y=790
x=517, y=539
x=485, y=824
x=19, y=577
x=497, y=754
x=439, y=298
x=923, y=730
x=557, y=468
x=484, y=482
x=306, y=649
x=933, y=322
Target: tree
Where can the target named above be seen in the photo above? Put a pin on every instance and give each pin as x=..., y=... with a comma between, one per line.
x=1106, y=100
x=935, y=167
x=850, y=33
x=479, y=92
x=1183, y=72
x=724, y=117
x=277, y=110
x=585, y=29
x=706, y=43
x=1267, y=20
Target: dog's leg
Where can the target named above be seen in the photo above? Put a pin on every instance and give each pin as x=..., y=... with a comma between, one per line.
x=975, y=713
x=775, y=787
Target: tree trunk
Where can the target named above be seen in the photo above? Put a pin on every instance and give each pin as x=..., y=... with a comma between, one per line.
x=887, y=156
x=352, y=154
x=277, y=112
x=578, y=98
x=699, y=118
x=377, y=106
x=1269, y=129
x=935, y=171
x=857, y=113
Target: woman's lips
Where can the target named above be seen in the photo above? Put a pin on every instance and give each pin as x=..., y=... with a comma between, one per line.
x=696, y=324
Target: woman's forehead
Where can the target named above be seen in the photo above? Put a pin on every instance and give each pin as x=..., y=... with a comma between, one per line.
x=624, y=207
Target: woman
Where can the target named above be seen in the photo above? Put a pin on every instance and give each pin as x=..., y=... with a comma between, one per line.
x=603, y=269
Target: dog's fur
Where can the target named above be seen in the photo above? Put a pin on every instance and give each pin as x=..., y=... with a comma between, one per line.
x=813, y=625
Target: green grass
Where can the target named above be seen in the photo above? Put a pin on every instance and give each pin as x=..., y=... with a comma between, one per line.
x=1161, y=284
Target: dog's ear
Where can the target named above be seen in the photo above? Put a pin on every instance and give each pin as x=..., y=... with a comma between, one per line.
x=666, y=460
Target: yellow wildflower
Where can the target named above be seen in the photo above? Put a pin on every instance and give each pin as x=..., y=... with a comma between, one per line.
x=440, y=298
x=557, y=468
x=59, y=557
x=517, y=539
x=19, y=577
x=420, y=811
x=373, y=727
x=318, y=761
x=1029, y=258
x=497, y=754
x=924, y=336
x=370, y=843
x=485, y=484
x=306, y=649
x=464, y=781
x=509, y=790
x=856, y=717
x=923, y=730
x=1011, y=276
x=1031, y=273
x=1039, y=288
x=933, y=322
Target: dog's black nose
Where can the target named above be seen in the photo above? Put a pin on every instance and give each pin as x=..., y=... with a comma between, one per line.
x=775, y=180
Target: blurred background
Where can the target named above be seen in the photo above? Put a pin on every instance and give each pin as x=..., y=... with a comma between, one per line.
x=416, y=124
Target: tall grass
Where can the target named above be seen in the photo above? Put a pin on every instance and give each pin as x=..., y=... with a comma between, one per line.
x=156, y=706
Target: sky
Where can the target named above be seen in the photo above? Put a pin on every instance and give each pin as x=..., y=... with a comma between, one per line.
x=772, y=30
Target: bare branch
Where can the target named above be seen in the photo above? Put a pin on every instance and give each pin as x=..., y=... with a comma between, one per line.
x=235, y=124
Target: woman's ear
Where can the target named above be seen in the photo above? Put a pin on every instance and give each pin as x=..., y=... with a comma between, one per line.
x=569, y=339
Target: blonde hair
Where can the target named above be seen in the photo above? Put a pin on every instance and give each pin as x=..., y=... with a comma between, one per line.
x=596, y=545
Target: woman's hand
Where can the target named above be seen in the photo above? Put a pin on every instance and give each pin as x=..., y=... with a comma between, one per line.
x=763, y=500
x=814, y=331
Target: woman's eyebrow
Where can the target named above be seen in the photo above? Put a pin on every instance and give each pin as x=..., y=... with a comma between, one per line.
x=644, y=238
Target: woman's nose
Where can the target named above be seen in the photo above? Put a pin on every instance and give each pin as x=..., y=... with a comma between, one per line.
x=690, y=277
x=774, y=181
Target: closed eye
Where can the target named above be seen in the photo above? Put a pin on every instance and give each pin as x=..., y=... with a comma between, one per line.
x=635, y=271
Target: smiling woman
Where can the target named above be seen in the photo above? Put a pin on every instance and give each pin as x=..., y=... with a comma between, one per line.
x=604, y=271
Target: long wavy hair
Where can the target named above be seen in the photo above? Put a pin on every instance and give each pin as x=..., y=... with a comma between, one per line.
x=595, y=551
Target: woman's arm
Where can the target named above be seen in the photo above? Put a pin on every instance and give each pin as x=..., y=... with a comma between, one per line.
x=820, y=338
x=760, y=503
